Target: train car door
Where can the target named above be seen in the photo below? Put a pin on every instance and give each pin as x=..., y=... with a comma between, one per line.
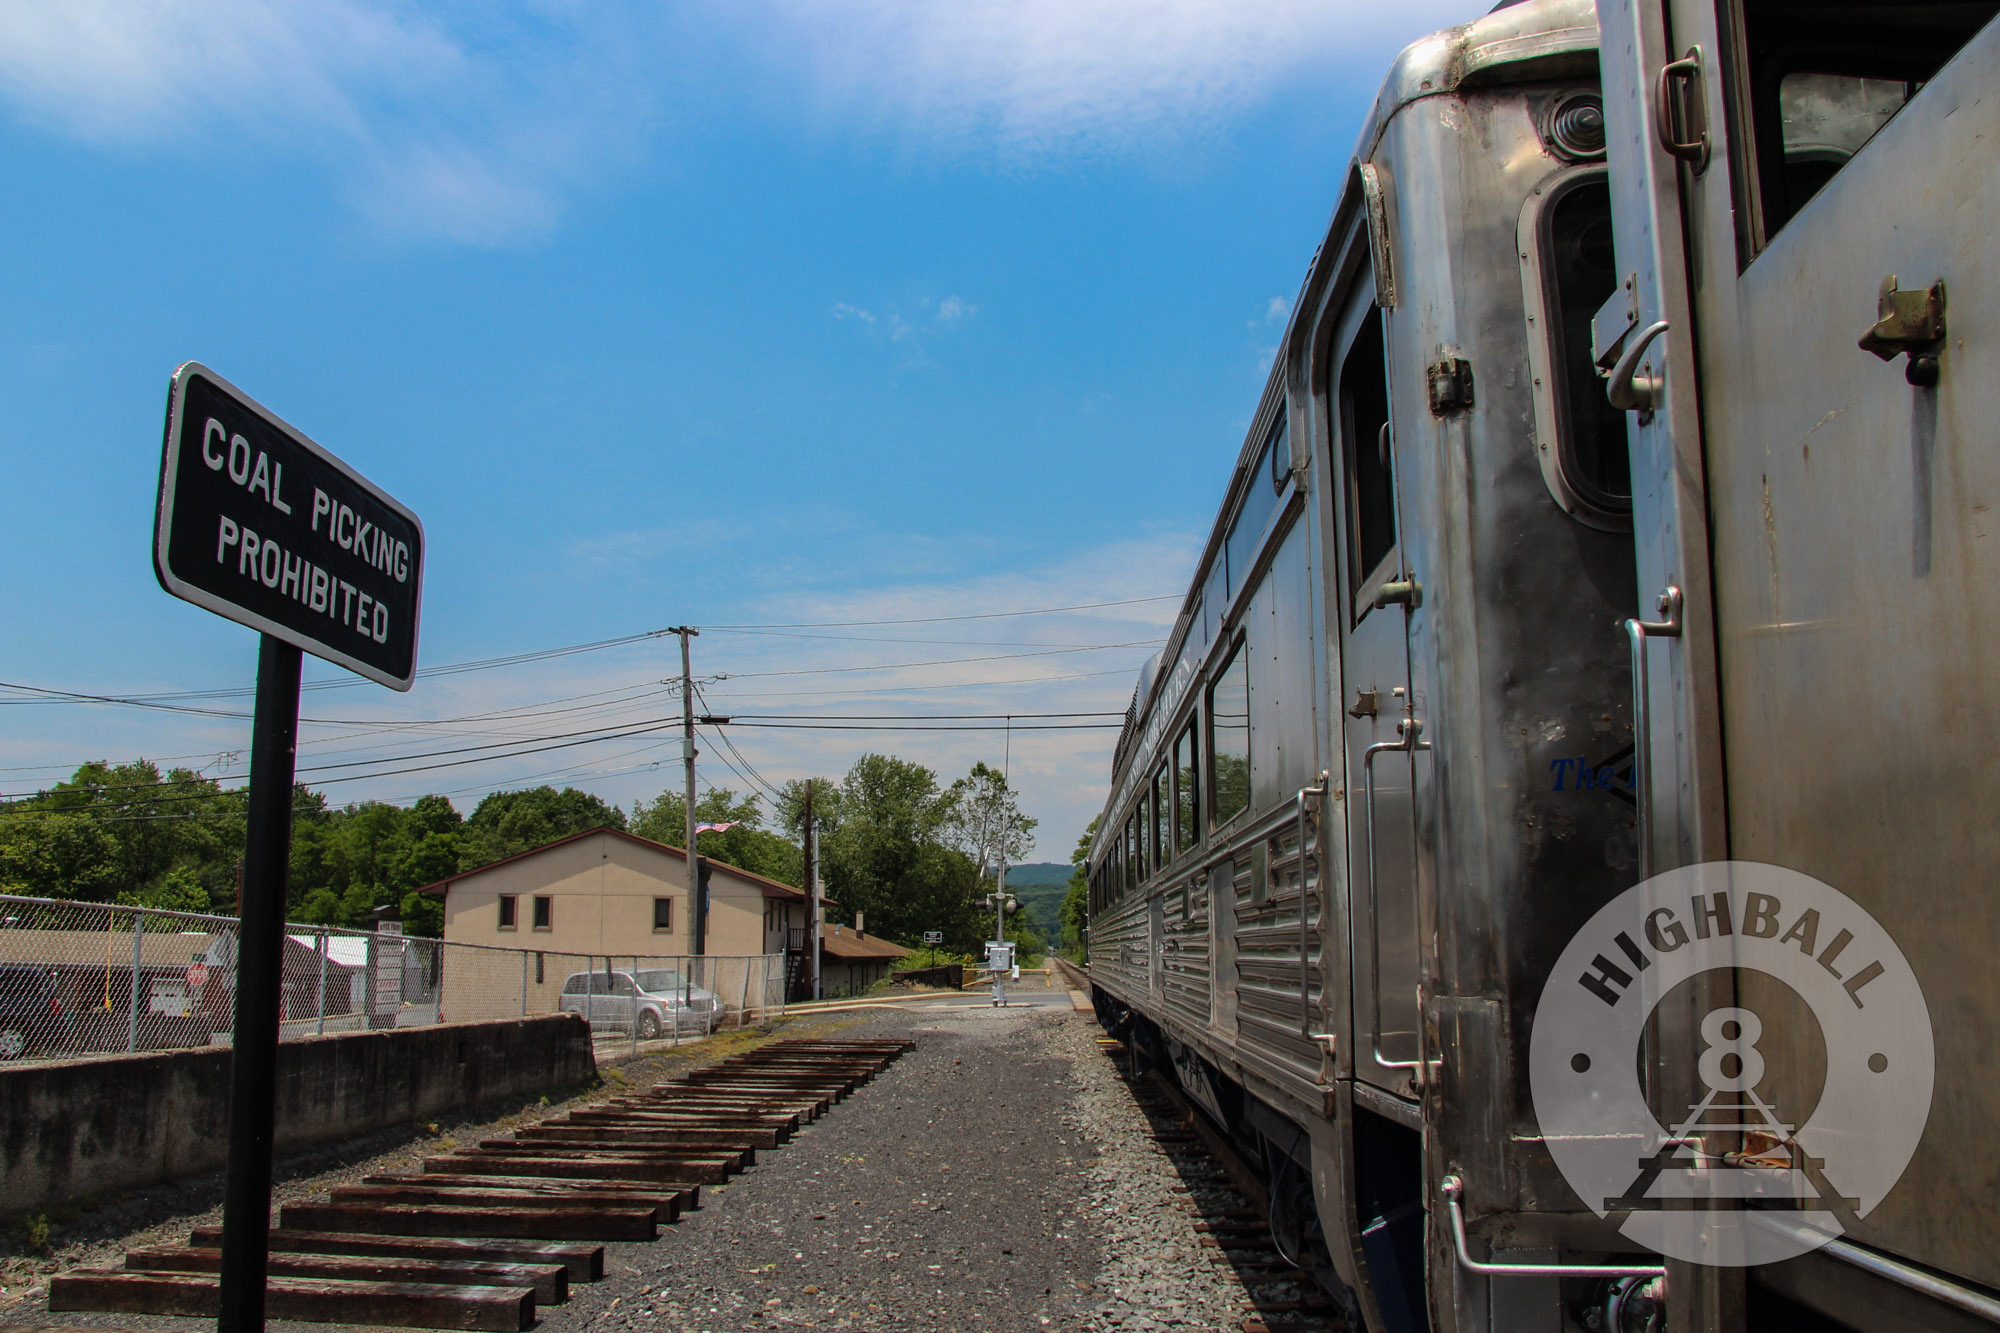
x=1375, y=666
x=1806, y=198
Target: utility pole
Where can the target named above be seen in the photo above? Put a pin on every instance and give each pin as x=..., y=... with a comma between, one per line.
x=811, y=841
x=697, y=899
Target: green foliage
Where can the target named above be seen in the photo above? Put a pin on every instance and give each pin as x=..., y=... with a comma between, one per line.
x=749, y=846
x=179, y=890
x=1076, y=903
x=115, y=829
x=894, y=843
x=423, y=915
x=883, y=852
x=510, y=822
x=984, y=819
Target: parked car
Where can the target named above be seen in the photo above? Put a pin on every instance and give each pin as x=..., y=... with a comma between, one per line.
x=31, y=1013
x=654, y=998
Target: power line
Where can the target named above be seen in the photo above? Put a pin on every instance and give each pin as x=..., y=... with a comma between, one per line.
x=915, y=717
x=944, y=661
x=940, y=620
x=878, y=638
x=975, y=726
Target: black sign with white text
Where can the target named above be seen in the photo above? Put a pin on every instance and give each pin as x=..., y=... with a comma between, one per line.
x=259, y=524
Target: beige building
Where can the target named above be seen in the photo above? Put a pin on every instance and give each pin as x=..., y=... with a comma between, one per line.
x=607, y=892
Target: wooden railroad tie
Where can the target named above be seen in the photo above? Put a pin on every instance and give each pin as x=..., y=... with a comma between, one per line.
x=478, y=1236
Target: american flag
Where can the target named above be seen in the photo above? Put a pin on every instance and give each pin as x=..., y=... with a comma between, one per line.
x=717, y=828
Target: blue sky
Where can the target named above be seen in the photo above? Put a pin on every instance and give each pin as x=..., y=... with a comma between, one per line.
x=767, y=312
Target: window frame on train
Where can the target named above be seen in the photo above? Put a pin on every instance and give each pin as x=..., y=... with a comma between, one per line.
x=1186, y=761
x=1237, y=660
x=1762, y=54
x=1362, y=466
x=1575, y=424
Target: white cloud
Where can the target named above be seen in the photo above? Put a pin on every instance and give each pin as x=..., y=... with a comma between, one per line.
x=1031, y=76
x=476, y=122
x=935, y=318
x=464, y=122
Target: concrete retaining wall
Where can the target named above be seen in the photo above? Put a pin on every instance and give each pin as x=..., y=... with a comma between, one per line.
x=95, y=1127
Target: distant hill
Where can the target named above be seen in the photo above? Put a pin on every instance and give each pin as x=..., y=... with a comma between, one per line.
x=1038, y=872
x=1040, y=886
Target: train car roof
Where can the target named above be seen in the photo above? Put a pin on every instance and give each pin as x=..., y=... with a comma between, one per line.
x=1532, y=39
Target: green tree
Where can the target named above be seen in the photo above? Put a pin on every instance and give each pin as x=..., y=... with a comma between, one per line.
x=985, y=820
x=110, y=830
x=423, y=915
x=884, y=853
x=1076, y=903
x=179, y=890
x=509, y=822
x=748, y=846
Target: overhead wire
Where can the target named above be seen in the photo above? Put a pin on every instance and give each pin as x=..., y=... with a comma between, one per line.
x=940, y=620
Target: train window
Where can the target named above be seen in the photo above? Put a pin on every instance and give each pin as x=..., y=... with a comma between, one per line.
x=1817, y=90
x=1135, y=865
x=1259, y=500
x=1163, y=815
x=1187, y=790
x=1579, y=274
x=1215, y=596
x=1364, y=420
x=1229, y=737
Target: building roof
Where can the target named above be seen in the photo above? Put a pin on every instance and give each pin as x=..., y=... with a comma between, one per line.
x=843, y=942
x=771, y=887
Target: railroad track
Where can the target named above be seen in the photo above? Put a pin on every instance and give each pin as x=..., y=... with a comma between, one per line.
x=1233, y=1209
x=484, y=1235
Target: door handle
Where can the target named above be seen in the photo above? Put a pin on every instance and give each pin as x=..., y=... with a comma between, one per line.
x=1630, y=389
x=1637, y=632
x=1318, y=791
x=1410, y=728
x=1666, y=125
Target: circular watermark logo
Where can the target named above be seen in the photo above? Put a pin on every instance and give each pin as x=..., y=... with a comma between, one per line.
x=1735, y=1060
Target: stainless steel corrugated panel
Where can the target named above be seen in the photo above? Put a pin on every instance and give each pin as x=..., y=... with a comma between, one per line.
x=1187, y=980
x=1268, y=967
x=1118, y=953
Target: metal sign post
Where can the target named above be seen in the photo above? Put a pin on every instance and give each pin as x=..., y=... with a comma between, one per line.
x=262, y=526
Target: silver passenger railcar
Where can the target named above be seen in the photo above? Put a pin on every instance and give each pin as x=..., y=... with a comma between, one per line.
x=1391, y=757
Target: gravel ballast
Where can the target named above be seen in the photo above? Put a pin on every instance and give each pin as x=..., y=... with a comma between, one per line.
x=996, y=1177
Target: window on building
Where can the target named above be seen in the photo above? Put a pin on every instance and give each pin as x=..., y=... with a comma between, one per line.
x=1187, y=790
x=1229, y=737
x=663, y=914
x=545, y=910
x=506, y=911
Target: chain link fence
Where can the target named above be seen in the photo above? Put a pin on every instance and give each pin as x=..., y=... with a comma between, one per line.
x=86, y=979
